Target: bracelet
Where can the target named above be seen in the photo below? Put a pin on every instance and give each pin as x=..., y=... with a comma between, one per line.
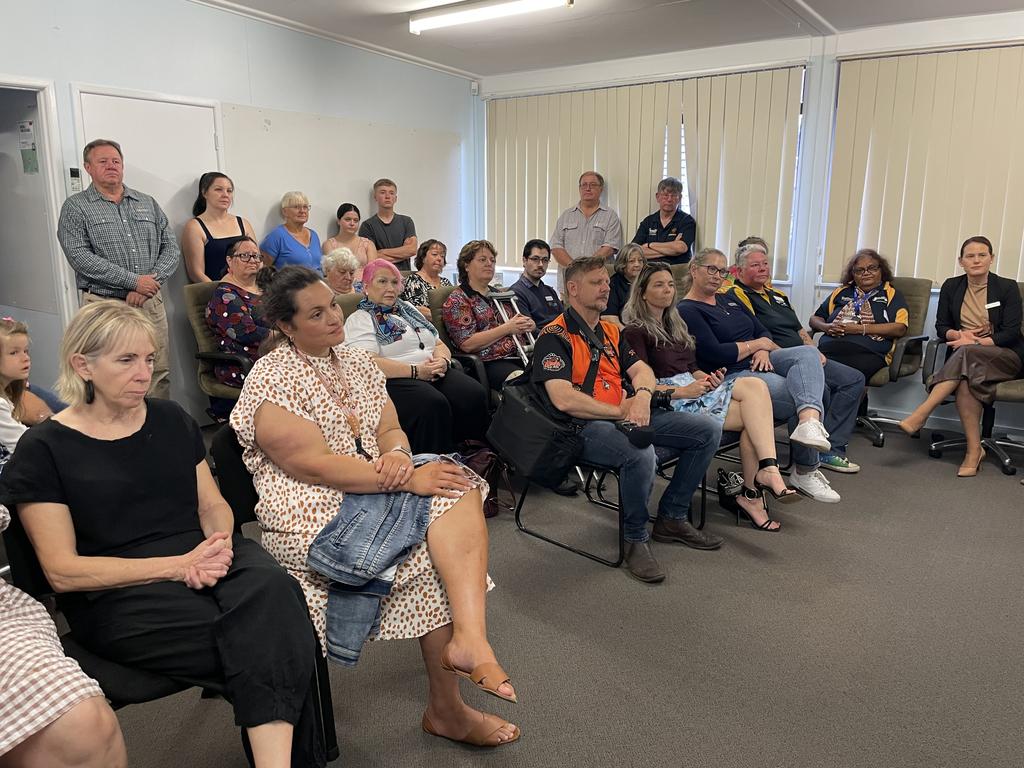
x=413, y=367
x=648, y=390
x=401, y=449
x=447, y=364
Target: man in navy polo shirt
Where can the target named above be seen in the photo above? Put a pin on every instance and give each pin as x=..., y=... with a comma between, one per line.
x=536, y=299
x=667, y=234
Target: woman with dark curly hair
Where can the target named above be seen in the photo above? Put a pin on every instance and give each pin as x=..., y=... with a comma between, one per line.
x=863, y=317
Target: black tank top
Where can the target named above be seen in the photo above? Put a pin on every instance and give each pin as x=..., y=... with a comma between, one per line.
x=216, y=248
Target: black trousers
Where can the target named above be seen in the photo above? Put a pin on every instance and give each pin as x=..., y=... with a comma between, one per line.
x=249, y=635
x=437, y=415
x=499, y=370
x=854, y=355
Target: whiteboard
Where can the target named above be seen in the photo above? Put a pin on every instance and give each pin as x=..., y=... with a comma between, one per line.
x=335, y=160
x=167, y=145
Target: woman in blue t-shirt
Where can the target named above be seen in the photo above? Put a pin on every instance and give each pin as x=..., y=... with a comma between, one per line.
x=292, y=242
x=864, y=316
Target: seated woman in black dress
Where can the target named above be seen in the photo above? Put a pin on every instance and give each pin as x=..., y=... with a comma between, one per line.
x=979, y=318
x=864, y=316
x=132, y=532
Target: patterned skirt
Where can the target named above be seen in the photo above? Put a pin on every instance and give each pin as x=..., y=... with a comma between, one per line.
x=714, y=403
x=38, y=683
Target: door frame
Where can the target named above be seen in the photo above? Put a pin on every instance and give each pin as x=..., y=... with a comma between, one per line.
x=51, y=166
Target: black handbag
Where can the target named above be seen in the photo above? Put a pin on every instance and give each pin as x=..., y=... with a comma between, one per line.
x=540, y=442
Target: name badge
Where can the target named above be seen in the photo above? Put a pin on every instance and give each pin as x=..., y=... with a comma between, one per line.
x=779, y=300
x=992, y=305
x=652, y=232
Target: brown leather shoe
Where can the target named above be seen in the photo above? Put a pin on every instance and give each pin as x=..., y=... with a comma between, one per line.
x=641, y=563
x=670, y=530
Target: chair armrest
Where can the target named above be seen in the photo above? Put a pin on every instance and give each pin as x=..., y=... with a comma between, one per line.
x=227, y=357
x=930, y=355
x=907, y=345
x=474, y=366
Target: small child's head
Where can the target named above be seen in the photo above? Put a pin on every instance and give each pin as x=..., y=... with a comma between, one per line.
x=14, y=359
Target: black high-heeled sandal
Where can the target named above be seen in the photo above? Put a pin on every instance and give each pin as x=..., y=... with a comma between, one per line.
x=750, y=493
x=788, y=496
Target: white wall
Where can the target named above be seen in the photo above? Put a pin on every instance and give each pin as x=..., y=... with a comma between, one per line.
x=27, y=283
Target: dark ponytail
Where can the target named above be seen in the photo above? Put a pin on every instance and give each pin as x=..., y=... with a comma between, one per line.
x=199, y=206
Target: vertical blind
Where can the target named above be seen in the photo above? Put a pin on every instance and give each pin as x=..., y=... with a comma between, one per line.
x=927, y=152
x=731, y=138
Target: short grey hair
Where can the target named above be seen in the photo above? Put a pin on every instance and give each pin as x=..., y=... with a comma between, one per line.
x=293, y=198
x=742, y=254
x=670, y=184
x=339, y=258
x=622, y=257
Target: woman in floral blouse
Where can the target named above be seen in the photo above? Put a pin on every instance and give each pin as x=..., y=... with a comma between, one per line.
x=430, y=259
x=234, y=315
x=472, y=322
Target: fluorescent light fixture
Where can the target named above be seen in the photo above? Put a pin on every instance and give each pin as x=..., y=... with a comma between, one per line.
x=467, y=13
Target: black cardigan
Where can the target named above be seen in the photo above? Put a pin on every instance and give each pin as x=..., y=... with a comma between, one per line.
x=1005, y=318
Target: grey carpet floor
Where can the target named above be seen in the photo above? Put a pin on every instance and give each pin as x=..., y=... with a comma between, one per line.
x=881, y=631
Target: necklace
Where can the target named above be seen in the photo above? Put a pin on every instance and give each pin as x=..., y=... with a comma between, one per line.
x=354, y=422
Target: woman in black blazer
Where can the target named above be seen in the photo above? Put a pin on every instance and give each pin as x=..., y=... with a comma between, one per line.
x=979, y=318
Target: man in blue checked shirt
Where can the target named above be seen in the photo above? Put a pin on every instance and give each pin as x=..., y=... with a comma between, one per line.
x=120, y=245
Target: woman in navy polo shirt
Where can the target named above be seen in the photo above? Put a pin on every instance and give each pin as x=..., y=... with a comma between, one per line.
x=864, y=316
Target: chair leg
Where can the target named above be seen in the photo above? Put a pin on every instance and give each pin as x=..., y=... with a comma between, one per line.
x=591, y=477
x=874, y=431
x=325, y=707
x=997, y=446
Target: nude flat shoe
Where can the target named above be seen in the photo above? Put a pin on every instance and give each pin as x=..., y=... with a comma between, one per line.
x=487, y=676
x=481, y=734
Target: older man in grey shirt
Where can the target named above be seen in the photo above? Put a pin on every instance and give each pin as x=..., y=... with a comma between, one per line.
x=121, y=246
x=588, y=228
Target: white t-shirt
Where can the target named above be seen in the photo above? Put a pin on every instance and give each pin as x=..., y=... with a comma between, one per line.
x=11, y=429
x=361, y=331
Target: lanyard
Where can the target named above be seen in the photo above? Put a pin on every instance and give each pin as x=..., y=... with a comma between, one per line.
x=354, y=422
x=859, y=297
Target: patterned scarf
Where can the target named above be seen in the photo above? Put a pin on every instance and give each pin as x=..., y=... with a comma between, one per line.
x=388, y=331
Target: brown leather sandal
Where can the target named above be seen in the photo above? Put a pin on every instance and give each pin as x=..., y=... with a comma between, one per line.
x=481, y=734
x=482, y=676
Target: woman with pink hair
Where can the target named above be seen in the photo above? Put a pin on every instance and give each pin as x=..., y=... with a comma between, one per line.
x=438, y=406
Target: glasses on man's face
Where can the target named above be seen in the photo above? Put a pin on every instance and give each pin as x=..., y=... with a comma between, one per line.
x=870, y=269
x=590, y=185
x=539, y=259
x=669, y=195
x=249, y=257
x=715, y=271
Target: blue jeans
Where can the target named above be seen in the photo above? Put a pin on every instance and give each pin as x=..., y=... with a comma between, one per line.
x=844, y=387
x=694, y=437
x=798, y=382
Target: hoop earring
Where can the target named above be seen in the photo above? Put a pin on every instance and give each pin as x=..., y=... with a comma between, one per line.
x=90, y=391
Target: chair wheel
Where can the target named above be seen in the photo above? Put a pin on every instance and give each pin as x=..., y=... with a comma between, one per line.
x=1008, y=470
x=878, y=442
x=934, y=453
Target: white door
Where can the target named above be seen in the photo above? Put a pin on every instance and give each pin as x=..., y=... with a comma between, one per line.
x=168, y=144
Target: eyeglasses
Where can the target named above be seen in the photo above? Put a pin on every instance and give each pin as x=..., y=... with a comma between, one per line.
x=539, y=259
x=299, y=207
x=868, y=270
x=591, y=185
x=713, y=270
x=249, y=257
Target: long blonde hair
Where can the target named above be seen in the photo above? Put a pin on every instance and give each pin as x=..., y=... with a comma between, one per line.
x=670, y=327
x=14, y=390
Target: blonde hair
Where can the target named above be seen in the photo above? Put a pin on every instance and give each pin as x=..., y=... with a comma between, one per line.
x=293, y=198
x=94, y=330
x=13, y=390
x=699, y=261
x=339, y=258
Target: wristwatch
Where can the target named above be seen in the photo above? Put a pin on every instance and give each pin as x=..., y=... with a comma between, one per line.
x=402, y=449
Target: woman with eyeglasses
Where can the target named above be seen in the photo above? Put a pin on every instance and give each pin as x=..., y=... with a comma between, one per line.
x=438, y=407
x=863, y=317
x=206, y=238
x=430, y=259
x=292, y=242
x=658, y=335
x=628, y=264
x=728, y=336
x=235, y=317
x=979, y=318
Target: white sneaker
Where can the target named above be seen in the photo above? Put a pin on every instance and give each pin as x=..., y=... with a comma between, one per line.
x=812, y=434
x=815, y=485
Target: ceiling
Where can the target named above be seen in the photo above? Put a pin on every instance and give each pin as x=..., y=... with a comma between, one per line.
x=594, y=30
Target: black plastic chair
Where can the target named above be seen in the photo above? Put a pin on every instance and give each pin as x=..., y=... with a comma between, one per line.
x=237, y=489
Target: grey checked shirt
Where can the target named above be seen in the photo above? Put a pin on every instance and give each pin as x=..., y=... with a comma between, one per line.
x=109, y=245
x=581, y=236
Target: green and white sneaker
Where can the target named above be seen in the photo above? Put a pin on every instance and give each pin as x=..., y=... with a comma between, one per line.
x=837, y=462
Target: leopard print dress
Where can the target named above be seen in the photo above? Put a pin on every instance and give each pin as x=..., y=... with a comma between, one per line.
x=291, y=512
